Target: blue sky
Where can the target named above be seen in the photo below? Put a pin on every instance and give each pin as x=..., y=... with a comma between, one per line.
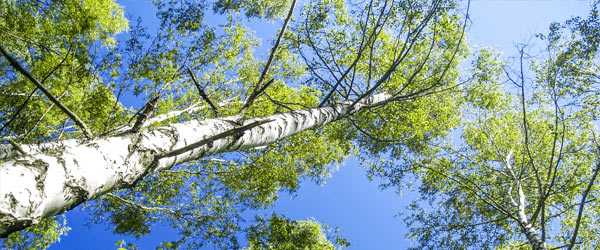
x=348, y=200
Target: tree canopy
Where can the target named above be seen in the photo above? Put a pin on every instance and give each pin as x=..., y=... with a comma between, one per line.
x=524, y=173
x=196, y=120
x=215, y=135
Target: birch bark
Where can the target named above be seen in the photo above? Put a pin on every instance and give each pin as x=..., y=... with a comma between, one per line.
x=530, y=232
x=55, y=177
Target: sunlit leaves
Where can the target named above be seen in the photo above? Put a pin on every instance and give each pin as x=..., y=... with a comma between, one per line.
x=40, y=236
x=484, y=89
x=56, y=42
x=254, y=8
x=279, y=233
x=333, y=52
x=526, y=148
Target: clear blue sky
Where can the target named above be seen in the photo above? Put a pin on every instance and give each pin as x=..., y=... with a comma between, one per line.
x=348, y=200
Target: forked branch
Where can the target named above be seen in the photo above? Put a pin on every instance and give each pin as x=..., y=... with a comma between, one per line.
x=260, y=87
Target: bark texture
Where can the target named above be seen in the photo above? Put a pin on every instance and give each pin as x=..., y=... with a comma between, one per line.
x=55, y=177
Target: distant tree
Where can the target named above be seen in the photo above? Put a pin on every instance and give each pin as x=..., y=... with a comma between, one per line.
x=524, y=174
x=222, y=131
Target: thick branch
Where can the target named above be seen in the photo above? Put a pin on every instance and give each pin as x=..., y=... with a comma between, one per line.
x=530, y=232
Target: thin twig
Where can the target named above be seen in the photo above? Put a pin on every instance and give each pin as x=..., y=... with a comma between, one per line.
x=140, y=206
x=39, y=120
x=18, y=110
x=108, y=119
x=27, y=40
x=198, y=173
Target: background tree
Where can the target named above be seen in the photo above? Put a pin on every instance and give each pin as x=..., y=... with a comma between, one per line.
x=524, y=174
x=221, y=131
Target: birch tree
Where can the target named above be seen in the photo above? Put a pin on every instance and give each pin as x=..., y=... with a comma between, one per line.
x=524, y=173
x=221, y=130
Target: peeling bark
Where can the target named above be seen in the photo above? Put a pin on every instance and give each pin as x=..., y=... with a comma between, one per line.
x=55, y=177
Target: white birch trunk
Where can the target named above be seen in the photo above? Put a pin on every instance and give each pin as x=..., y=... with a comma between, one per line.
x=530, y=232
x=55, y=177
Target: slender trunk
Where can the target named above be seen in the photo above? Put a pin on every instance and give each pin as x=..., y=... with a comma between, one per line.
x=533, y=236
x=530, y=232
x=55, y=177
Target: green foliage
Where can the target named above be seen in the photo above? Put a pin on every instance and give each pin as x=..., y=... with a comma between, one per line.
x=529, y=141
x=122, y=245
x=282, y=233
x=332, y=52
x=40, y=236
x=57, y=41
x=484, y=91
x=254, y=8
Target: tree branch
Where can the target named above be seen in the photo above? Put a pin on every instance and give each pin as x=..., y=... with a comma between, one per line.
x=53, y=99
x=203, y=94
x=212, y=139
x=526, y=136
x=34, y=90
x=582, y=205
x=361, y=49
x=140, y=206
x=259, y=85
x=475, y=190
x=406, y=47
x=142, y=116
